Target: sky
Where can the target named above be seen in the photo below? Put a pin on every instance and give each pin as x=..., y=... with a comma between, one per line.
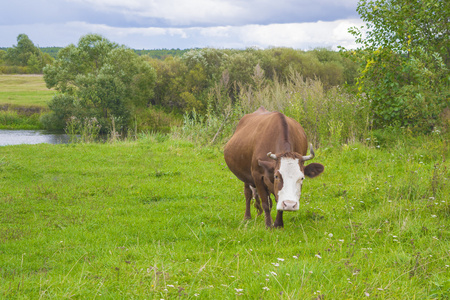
x=167, y=24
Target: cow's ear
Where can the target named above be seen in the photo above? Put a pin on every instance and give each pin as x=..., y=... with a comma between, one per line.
x=268, y=166
x=314, y=169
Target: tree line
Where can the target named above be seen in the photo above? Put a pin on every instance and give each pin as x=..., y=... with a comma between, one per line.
x=100, y=79
x=10, y=63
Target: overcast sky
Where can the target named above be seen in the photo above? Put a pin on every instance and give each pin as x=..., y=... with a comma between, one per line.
x=156, y=24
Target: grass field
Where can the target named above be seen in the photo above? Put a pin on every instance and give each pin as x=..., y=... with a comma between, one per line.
x=162, y=218
x=24, y=90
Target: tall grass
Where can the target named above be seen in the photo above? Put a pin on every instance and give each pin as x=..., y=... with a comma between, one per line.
x=10, y=119
x=85, y=131
x=329, y=116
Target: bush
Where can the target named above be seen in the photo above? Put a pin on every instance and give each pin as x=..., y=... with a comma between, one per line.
x=10, y=119
x=152, y=120
x=330, y=117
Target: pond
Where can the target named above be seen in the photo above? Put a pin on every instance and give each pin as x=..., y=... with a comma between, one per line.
x=18, y=137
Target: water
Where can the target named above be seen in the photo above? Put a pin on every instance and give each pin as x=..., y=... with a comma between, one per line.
x=18, y=137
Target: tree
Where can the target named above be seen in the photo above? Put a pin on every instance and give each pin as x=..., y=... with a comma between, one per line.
x=100, y=79
x=20, y=54
x=169, y=84
x=405, y=60
x=26, y=54
x=2, y=56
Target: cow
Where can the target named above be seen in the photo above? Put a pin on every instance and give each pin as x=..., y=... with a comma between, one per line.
x=267, y=152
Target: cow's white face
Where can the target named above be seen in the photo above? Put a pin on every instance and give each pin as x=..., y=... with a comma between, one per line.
x=288, y=180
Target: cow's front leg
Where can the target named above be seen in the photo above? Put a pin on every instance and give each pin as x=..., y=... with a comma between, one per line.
x=248, y=199
x=279, y=219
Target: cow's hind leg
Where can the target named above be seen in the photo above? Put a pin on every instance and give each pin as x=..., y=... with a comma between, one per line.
x=266, y=203
x=248, y=199
x=257, y=201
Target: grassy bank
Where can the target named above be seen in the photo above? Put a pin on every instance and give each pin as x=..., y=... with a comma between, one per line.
x=23, y=98
x=162, y=218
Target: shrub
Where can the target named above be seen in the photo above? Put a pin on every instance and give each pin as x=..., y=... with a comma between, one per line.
x=329, y=116
x=10, y=119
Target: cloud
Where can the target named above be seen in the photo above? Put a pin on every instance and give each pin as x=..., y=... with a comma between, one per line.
x=150, y=24
x=296, y=35
x=200, y=13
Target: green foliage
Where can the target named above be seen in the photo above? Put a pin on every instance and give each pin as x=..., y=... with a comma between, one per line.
x=330, y=116
x=169, y=82
x=11, y=119
x=2, y=56
x=155, y=120
x=20, y=54
x=85, y=131
x=26, y=55
x=62, y=107
x=51, y=51
x=405, y=61
x=97, y=78
x=199, y=71
x=160, y=218
x=162, y=53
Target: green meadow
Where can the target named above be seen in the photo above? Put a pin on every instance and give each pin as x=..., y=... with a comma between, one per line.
x=24, y=90
x=23, y=99
x=162, y=218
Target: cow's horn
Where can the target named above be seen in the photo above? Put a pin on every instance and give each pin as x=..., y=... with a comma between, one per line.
x=272, y=156
x=311, y=155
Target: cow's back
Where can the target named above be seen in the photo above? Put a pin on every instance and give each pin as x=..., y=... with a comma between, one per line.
x=257, y=134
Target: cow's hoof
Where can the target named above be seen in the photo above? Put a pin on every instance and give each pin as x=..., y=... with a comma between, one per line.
x=276, y=225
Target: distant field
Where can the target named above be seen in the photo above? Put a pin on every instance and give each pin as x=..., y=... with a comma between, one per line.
x=24, y=90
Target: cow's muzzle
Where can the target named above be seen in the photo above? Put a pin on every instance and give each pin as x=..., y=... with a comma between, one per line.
x=289, y=205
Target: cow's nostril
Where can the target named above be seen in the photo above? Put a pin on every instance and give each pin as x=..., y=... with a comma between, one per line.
x=289, y=205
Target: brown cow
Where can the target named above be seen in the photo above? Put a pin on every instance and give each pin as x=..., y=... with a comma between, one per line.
x=249, y=155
